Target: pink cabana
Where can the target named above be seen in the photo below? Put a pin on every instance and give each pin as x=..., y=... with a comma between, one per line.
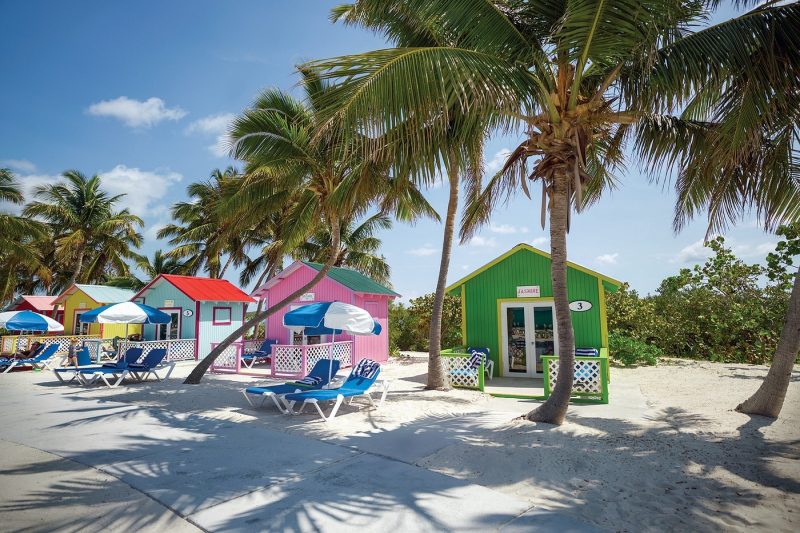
x=296, y=352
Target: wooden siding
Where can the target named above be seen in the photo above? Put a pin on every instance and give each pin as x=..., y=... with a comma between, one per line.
x=327, y=290
x=157, y=294
x=208, y=332
x=73, y=303
x=500, y=282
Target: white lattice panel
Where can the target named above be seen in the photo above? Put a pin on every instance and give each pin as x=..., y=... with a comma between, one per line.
x=181, y=350
x=177, y=350
x=460, y=372
x=343, y=352
x=587, y=377
x=229, y=358
x=316, y=353
x=251, y=345
x=8, y=342
x=286, y=359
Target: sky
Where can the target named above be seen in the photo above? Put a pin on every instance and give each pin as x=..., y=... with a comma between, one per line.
x=142, y=93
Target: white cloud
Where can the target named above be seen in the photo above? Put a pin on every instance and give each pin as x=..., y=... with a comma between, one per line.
x=136, y=113
x=607, y=259
x=541, y=242
x=29, y=182
x=482, y=242
x=19, y=165
x=497, y=162
x=423, y=251
x=754, y=250
x=143, y=189
x=465, y=267
x=216, y=125
x=693, y=253
x=507, y=229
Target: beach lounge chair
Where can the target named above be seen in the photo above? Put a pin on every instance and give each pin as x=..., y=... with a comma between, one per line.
x=84, y=358
x=262, y=354
x=112, y=376
x=316, y=379
x=488, y=364
x=85, y=364
x=40, y=362
x=477, y=355
x=358, y=383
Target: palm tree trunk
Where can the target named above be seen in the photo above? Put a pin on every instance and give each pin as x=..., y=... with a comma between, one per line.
x=78, y=266
x=769, y=397
x=554, y=409
x=436, y=376
x=202, y=367
x=224, y=268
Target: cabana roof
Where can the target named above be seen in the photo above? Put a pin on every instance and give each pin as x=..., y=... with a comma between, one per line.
x=353, y=280
x=610, y=283
x=40, y=303
x=102, y=294
x=202, y=289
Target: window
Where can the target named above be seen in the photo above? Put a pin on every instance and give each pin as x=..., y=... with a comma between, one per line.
x=78, y=327
x=222, y=316
x=171, y=330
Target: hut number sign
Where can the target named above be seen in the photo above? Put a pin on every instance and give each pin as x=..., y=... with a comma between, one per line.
x=307, y=297
x=528, y=291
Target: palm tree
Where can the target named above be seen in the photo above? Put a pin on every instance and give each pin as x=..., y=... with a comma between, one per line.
x=358, y=250
x=203, y=234
x=739, y=137
x=92, y=239
x=290, y=160
x=459, y=153
x=159, y=264
x=19, y=256
x=580, y=76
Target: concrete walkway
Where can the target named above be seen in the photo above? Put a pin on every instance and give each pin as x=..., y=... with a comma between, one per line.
x=73, y=460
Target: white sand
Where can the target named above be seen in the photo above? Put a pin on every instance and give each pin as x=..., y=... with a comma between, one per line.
x=668, y=452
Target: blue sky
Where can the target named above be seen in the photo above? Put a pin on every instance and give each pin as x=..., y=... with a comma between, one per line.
x=142, y=91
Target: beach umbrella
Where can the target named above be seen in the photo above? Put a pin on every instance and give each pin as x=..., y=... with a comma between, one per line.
x=126, y=313
x=323, y=318
x=28, y=321
x=331, y=318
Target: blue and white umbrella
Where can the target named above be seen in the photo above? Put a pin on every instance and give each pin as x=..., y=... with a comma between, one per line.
x=331, y=318
x=126, y=313
x=28, y=321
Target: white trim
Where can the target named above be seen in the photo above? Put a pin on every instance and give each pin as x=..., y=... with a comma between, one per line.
x=530, y=337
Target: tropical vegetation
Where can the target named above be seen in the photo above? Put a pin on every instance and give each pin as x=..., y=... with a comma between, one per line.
x=585, y=79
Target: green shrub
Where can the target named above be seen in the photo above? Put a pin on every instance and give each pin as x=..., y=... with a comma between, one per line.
x=632, y=352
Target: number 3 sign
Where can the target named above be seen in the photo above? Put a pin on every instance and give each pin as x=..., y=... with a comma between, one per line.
x=580, y=305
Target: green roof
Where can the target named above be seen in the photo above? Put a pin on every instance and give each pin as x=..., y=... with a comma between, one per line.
x=106, y=295
x=353, y=280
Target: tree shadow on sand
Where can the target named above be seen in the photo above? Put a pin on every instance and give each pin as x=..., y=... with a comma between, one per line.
x=263, y=470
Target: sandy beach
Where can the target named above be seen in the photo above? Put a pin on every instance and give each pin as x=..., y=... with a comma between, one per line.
x=667, y=453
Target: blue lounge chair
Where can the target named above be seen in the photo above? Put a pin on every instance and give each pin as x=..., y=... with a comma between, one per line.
x=85, y=363
x=262, y=354
x=40, y=362
x=358, y=383
x=112, y=376
x=316, y=379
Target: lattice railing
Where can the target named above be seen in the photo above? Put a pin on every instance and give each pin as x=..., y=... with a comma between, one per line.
x=230, y=358
x=251, y=345
x=590, y=380
x=13, y=343
x=343, y=352
x=287, y=360
x=177, y=349
x=295, y=360
x=456, y=366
